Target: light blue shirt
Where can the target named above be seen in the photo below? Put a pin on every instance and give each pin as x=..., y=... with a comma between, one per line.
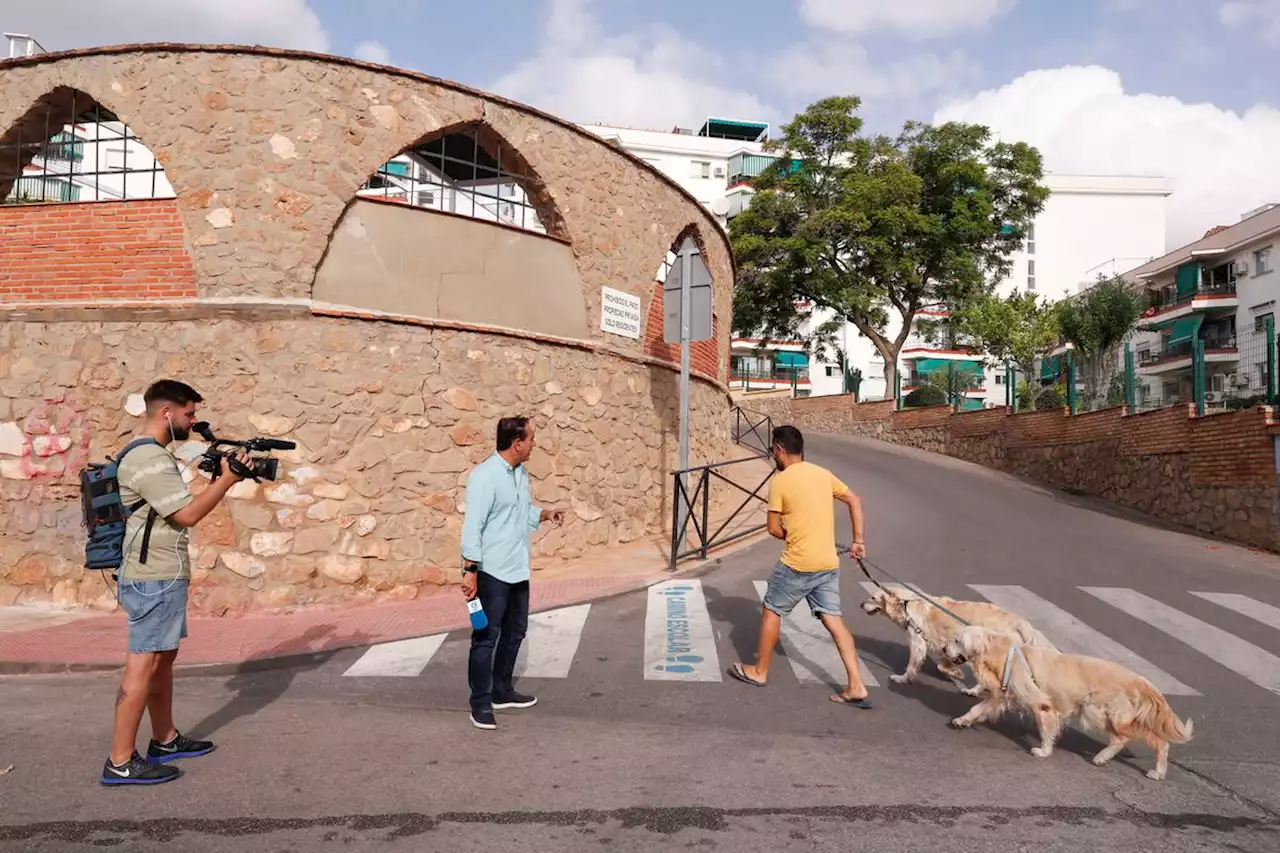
x=500, y=516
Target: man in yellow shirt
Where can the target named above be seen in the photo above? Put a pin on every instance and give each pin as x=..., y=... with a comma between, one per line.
x=801, y=512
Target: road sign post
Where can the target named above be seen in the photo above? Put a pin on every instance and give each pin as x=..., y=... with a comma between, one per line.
x=686, y=309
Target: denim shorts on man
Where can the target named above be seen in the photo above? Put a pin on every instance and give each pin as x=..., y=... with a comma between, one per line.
x=157, y=611
x=787, y=587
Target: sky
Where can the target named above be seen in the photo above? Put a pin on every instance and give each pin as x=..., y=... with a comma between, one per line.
x=1182, y=89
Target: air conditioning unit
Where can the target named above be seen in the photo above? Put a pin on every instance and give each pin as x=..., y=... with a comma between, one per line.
x=1240, y=268
x=1214, y=396
x=719, y=171
x=1239, y=380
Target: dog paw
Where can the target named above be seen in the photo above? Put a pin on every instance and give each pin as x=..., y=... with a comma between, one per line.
x=1155, y=775
x=1100, y=760
x=960, y=723
x=1041, y=752
x=971, y=691
x=900, y=679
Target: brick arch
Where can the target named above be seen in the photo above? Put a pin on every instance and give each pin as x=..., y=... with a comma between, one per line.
x=113, y=248
x=509, y=158
x=704, y=356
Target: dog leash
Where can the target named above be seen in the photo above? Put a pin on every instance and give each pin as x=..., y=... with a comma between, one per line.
x=862, y=564
x=1014, y=650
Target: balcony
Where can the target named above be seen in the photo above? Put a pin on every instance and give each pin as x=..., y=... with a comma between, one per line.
x=1166, y=304
x=1174, y=357
x=64, y=147
x=765, y=374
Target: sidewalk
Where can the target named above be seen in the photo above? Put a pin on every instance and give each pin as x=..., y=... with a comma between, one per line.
x=45, y=640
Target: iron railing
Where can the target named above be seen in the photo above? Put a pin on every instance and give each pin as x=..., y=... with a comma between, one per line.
x=751, y=430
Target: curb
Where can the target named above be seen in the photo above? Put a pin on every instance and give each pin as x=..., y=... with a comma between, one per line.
x=698, y=568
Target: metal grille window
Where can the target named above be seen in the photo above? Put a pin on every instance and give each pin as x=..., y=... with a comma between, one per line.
x=470, y=172
x=69, y=148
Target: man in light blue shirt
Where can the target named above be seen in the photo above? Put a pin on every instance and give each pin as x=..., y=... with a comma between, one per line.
x=499, y=519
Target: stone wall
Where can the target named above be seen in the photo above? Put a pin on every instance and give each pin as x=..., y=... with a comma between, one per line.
x=1214, y=474
x=388, y=420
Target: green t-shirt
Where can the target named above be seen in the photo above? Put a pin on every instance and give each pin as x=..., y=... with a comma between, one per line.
x=150, y=472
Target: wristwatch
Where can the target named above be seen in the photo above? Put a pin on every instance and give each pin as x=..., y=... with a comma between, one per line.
x=472, y=567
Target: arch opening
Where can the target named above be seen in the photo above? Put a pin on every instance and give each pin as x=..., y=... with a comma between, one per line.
x=471, y=171
x=69, y=148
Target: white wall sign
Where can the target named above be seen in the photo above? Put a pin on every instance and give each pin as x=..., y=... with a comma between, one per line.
x=619, y=313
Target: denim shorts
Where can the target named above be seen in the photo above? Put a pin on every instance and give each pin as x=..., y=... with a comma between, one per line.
x=787, y=587
x=157, y=612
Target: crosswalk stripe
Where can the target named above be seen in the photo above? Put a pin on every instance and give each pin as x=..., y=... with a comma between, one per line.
x=1245, y=606
x=679, y=642
x=551, y=642
x=403, y=658
x=1258, y=665
x=811, y=650
x=1075, y=637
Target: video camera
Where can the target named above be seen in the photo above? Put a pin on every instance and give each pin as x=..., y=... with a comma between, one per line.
x=259, y=467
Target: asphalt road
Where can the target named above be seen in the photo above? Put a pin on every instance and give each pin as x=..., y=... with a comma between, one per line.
x=312, y=758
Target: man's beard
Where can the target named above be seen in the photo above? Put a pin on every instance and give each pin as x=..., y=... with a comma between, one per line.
x=179, y=433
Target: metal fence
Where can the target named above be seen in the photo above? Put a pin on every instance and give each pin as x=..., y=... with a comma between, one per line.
x=693, y=492
x=1223, y=368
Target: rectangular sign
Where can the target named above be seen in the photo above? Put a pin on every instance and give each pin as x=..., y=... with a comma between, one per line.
x=619, y=313
x=700, y=296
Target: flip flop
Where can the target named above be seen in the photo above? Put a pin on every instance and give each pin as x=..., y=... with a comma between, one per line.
x=737, y=672
x=864, y=704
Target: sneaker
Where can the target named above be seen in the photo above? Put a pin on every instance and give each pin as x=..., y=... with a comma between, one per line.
x=137, y=771
x=514, y=699
x=180, y=747
x=483, y=720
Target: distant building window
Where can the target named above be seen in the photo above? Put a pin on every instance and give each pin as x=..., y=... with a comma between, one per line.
x=1262, y=261
x=1031, y=239
x=699, y=168
x=1031, y=275
x=1260, y=322
x=831, y=370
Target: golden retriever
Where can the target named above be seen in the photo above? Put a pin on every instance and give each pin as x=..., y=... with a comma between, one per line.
x=1105, y=697
x=908, y=610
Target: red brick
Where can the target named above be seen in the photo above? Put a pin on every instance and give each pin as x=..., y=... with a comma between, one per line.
x=94, y=250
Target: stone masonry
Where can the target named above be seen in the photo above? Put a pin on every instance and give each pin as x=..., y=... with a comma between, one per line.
x=265, y=150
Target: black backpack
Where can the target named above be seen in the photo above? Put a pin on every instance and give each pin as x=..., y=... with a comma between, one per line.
x=105, y=514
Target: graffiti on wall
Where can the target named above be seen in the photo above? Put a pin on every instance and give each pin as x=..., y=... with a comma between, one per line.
x=52, y=442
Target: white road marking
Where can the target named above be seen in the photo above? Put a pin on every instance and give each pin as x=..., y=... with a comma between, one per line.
x=1258, y=665
x=811, y=650
x=679, y=643
x=1244, y=605
x=401, y=658
x=1075, y=637
x=551, y=642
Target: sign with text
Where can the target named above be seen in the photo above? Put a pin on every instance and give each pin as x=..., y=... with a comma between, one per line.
x=619, y=313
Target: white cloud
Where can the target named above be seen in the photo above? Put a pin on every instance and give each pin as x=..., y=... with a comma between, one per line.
x=276, y=23
x=823, y=66
x=1220, y=163
x=373, y=51
x=1261, y=17
x=914, y=19
x=651, y=78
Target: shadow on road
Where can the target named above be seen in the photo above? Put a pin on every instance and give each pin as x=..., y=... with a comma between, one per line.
x=256, y=687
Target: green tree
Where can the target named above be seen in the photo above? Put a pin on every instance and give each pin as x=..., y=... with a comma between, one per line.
x=1018, y=329
x=1096, y=323
x=874, y=228
x=953, y=383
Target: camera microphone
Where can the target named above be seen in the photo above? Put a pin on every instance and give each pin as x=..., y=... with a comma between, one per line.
x=274, y=444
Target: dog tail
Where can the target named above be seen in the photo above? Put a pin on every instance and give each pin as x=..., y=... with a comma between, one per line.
x=1155, y=715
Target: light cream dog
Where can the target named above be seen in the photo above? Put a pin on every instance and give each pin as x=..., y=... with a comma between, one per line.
x=929, y=629
x=1105, y=697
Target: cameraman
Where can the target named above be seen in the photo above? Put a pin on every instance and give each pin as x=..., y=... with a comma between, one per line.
x=154, y=593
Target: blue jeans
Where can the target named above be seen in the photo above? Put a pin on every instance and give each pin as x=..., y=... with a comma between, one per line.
x=787, y=586
x=506, y=605
x=157, y=613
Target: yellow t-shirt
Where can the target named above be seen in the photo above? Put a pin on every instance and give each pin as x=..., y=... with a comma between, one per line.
x=804, y=493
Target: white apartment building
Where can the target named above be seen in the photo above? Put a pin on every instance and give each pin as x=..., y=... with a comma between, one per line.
x=1220, y=291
